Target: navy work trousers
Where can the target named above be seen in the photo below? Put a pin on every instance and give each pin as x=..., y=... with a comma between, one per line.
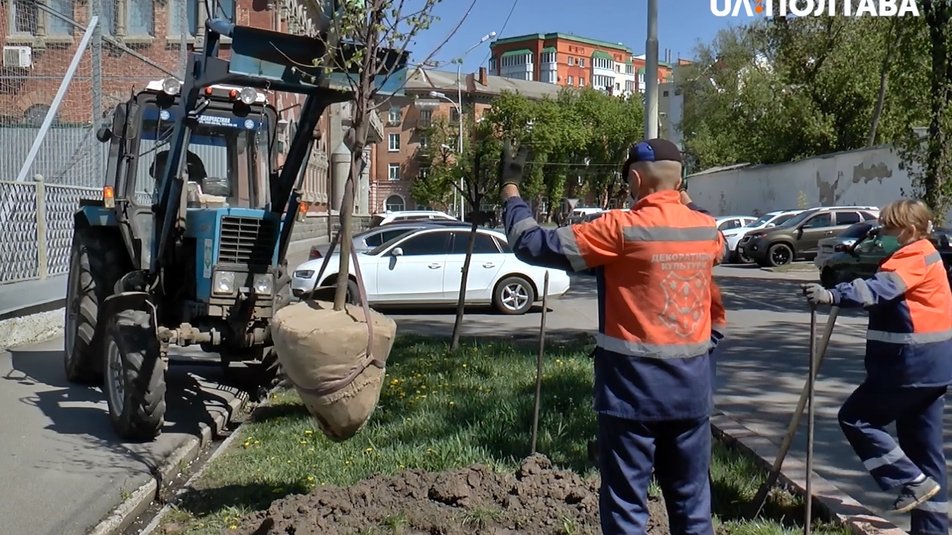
x=917, y=412
x=679, y=451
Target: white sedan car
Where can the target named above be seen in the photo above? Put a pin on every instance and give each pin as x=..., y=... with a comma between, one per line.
x=425, y=268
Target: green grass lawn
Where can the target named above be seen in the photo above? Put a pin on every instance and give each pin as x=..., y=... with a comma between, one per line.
x=441, y=411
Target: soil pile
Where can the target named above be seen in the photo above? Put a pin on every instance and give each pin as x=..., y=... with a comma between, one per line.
x=536, y=500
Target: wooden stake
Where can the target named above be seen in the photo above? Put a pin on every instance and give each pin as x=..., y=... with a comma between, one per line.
x=538, y=390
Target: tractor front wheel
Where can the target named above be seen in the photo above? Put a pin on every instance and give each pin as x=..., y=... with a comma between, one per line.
x=135, y=376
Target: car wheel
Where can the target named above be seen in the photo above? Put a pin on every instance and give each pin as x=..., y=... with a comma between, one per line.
x=513, y=295
x=779, y=254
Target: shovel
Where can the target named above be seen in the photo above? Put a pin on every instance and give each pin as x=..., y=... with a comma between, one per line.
x=817, y=354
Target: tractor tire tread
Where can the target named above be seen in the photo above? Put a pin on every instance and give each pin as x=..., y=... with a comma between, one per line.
x=145, y=370
x=100, y=265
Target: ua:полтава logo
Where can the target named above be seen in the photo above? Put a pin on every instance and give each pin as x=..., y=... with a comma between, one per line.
x=815, y=8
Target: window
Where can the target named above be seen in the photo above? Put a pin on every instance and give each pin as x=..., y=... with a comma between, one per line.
x=395, y=203
x=175, y=18
x=387, y=235
x=847, y=218
x=425, y=117
x=581, y=82
x=484, y=244
x=869, y=216
x=665, y=93
x=571, y=60
x=393, y=171
x=581, y=62
x=394, y=115
x=27, y=19
x=140, y=17
x=454, y=115
x=424, y=171
x=570, y=80
x=423, y=141
x=729, y=224
x=820, y=221
x=547, y=57
x=393, y=142
x=429, y=243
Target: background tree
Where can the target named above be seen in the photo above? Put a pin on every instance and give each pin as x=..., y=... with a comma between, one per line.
x=383, y=30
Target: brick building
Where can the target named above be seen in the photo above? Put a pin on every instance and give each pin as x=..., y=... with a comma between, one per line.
x=38, y=47
x=572, y=61
x=395, y=163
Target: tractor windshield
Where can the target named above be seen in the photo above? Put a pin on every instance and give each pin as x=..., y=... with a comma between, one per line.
x=226, y=163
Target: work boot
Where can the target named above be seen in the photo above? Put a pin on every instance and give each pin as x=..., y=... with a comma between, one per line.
x=914, y=494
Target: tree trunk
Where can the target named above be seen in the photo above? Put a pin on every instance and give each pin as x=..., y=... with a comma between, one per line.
x=936, y=17
x=347, y=206
x=461, y=302
x=883, y=81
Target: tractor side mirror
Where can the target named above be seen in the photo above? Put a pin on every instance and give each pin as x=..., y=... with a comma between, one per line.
x=104, y=134
x=397, y=251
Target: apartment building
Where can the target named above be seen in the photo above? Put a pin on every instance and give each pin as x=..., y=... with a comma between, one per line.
x=406, y=118
x=572, y=61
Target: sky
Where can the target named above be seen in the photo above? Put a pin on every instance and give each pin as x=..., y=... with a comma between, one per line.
x=682, y=24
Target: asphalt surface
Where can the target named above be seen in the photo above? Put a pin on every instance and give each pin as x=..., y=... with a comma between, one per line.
x=62, y=467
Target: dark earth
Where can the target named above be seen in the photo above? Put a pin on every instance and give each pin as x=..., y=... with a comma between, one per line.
x=536, y=500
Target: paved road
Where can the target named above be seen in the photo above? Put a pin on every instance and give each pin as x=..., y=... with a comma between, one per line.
x=61, y=465
x=762, y=366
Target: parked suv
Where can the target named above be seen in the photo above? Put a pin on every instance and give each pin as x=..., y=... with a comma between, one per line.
x=735, y=237
x=798, y=237
x=409, y=216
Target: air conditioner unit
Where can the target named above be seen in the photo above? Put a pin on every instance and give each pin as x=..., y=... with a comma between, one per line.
x=18, y=57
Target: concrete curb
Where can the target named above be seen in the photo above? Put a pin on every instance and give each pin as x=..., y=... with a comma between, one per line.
x=826, y=496
x=222, y=448
x=123, y=515
x=31, y=329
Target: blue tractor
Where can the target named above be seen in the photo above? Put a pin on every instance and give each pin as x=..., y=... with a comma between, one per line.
x=187, y=245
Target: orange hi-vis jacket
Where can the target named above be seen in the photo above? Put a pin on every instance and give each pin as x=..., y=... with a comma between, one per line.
x=655, y=299
x=909, y=338
x=658, y=260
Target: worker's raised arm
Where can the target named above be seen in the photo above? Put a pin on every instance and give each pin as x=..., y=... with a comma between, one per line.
x=575, y=247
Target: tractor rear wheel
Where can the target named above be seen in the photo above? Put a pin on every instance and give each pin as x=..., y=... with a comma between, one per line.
x=135, y=376
x=95, y=264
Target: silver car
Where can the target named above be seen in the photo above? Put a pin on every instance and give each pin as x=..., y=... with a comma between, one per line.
x=368, y=239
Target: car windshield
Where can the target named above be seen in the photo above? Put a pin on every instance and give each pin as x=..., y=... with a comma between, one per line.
x=797, y=219
x=856, y=231
x=227, y=155
x=761, y=221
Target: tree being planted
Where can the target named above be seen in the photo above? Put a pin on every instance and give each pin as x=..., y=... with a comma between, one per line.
x=334, y=353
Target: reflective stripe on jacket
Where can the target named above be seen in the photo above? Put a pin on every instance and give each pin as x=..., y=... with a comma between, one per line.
x=909, y=338
x=653, y=267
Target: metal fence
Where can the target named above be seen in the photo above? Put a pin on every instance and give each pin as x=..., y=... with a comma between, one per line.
x=63, y=75
x=35, y=235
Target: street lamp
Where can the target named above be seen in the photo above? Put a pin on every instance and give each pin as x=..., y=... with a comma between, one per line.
x=459, y=145
x=459, y=108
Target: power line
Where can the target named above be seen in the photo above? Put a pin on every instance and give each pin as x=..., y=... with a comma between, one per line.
x=499, y=33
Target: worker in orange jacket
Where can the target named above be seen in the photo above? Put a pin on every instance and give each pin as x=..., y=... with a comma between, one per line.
x=908, y=366
x=652, y=371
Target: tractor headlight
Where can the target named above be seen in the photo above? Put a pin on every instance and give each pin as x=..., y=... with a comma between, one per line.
x=223, y=283
x=171, y=86
x=248, y=95
x=263, y=284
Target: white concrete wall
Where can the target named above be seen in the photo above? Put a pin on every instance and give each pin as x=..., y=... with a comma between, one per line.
x=862, y=177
